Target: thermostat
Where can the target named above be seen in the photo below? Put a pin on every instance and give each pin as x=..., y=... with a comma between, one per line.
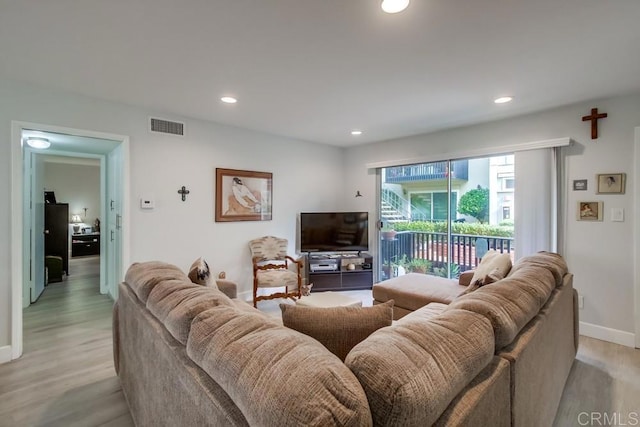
x=147, y=203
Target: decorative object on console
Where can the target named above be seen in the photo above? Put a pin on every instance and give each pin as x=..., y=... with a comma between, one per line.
x=75, y=220
x=593, y=118
x=243, y=195
x=271, y=268
x=339, y=329
x=611, y=183
x=590, y=211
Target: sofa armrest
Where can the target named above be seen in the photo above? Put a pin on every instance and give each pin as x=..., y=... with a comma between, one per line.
x=227, y=287
x=465, y=277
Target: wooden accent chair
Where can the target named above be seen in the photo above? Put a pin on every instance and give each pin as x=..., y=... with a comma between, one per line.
x=271, y=268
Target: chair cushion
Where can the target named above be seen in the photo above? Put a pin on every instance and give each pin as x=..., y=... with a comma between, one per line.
x=268, y=248
x=339, y=329
x=276, y=278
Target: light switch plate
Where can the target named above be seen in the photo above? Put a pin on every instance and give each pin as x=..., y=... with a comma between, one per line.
x=617, y=214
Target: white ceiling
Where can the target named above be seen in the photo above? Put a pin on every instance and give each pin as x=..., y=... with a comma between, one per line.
x=315, y=69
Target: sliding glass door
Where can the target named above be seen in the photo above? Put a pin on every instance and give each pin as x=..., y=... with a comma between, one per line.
x=440, y=218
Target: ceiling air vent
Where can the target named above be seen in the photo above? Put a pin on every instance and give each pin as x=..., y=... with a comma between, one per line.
x=166, y=126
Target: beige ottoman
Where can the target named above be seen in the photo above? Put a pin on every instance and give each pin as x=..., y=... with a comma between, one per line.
x=329, y=299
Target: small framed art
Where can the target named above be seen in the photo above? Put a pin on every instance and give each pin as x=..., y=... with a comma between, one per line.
x=590, y=211
x=243, y=195
x=579, y=185
x=611, y=183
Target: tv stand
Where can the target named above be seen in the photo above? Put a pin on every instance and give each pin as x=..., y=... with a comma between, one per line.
x=339, y=271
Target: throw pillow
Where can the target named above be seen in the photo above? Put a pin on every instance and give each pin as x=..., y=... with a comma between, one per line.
x=492, y=277
x=339, y=329
x=200, y=274
x=492, y=260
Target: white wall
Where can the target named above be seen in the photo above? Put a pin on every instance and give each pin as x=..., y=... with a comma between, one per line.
x=75, y=184
x=599, y=254
x=306, y=176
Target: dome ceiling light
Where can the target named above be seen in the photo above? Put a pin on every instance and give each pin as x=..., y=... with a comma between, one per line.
x=394, y=6
x=38, y=143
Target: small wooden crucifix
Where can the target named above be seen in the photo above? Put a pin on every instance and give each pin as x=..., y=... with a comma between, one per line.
x=594, y=121
x=183, y=192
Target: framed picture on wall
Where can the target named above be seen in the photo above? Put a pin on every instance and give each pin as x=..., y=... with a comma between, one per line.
x=590, y=211
x=611, y=183
x=243, y=195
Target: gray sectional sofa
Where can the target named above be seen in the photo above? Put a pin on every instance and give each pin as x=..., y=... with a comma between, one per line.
x=190, y=355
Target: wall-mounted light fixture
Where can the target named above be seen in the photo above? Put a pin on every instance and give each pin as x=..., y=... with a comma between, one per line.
x=38, y=142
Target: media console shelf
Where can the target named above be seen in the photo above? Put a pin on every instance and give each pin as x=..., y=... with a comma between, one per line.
x=339, y=272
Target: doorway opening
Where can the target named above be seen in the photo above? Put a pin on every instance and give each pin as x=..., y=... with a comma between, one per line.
x=99, y=220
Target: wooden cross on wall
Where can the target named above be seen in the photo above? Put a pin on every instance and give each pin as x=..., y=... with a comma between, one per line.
x=594, y=121
x=183, y=192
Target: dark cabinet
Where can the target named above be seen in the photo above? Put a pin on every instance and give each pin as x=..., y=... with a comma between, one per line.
x=85, y=244
x=56, y=232
x=340, y=272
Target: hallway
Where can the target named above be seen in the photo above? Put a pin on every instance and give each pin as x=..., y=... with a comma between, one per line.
x=65, y=376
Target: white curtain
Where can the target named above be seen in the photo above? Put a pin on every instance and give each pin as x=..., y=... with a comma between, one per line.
x=536, y=201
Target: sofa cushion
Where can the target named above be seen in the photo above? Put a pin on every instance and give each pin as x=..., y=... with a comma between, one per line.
x=142, y=277
x=550, y=261
x=339, y=329
x=492, y=260
x=425, y=313
x=415, y=290
x=175, y=303
x=275, y=375
x=510, y=303
x=413, y=369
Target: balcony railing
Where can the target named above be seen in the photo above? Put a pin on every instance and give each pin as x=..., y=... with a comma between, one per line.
x=433, y=247
x=427, y=172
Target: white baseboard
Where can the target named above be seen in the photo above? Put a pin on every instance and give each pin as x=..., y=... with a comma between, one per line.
x=607, y=334
x=5, y=354
x=246, y=296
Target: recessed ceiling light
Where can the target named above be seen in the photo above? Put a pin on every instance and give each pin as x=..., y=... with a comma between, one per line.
x=39, y=143
x=228, y=100
x=394, y=6
x=503, y=99
x=356, y=132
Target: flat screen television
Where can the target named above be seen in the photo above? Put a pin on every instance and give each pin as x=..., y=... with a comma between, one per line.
x=334, y=231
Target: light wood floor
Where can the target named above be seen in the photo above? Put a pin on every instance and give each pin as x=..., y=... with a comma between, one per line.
x=66, y=375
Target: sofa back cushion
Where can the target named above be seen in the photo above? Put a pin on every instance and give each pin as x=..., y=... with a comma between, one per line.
x=412, y=370
x=339, y=329
x=142, y=277
x=275, y=375
x=550, y=261
x=513, y=301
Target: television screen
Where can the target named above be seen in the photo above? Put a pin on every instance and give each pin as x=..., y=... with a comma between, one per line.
x=334, y=231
